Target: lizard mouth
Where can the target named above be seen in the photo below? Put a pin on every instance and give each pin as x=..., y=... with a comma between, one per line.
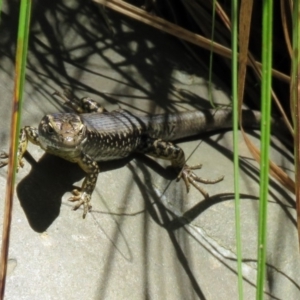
x=61, y=144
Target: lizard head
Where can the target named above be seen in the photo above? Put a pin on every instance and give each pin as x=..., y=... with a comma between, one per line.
x=63, y=132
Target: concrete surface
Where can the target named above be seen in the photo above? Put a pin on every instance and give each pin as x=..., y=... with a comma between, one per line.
x=145, y=237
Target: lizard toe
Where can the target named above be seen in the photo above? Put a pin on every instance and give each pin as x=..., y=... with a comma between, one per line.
x=83, y=199
x=190, y=178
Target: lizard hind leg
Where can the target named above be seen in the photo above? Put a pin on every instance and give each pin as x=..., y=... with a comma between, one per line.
x=172, y=152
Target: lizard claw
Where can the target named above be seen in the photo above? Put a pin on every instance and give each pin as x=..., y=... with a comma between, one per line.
x=190, y=178
x=84, y=199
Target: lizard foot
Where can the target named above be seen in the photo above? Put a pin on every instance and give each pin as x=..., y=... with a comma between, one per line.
x=4, y=159
x=84, y=199
x=190, y=178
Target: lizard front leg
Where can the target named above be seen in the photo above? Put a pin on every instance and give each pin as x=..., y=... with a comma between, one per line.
x=84, y=105
x=91, y=168
x=167, y=150
x=27, y=133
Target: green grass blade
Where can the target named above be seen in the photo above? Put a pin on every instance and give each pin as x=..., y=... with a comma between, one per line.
x=296, y=105
x=0, y=8
x=265, y=143
x=22, y=45
x=234, y=63
x=211, y=55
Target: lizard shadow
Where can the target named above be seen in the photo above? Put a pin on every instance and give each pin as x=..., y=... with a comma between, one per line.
x=40, y=192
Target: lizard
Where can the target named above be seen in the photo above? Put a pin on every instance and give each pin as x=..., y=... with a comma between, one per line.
x=90, y=134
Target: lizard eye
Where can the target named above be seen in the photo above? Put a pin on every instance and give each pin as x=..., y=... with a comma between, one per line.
x=50, y=129
x=81, y=131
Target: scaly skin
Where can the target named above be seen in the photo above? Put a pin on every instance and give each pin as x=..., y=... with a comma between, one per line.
x=91, y=134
